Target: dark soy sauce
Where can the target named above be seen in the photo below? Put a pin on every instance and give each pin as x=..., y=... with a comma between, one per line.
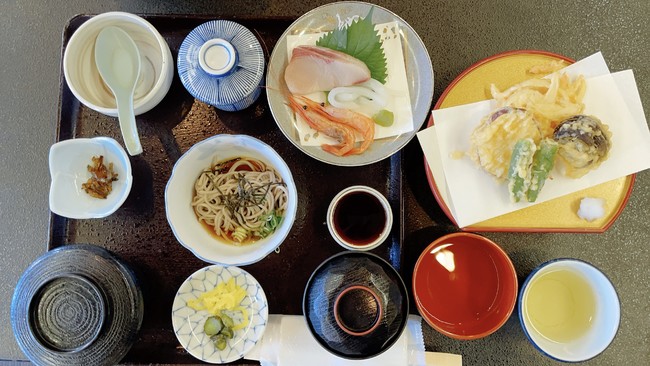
x=359, y=218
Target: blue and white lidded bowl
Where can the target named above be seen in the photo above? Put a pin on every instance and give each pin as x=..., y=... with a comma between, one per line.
x=221, y=63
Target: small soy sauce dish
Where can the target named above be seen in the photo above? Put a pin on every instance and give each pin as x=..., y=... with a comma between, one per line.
x=359, y=218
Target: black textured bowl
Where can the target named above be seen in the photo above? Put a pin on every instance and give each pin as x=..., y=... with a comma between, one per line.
x=356, y=305
x=76, y=305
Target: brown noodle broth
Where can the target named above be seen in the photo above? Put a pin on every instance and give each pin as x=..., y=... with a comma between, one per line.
x=228, y=237
x=223, y=167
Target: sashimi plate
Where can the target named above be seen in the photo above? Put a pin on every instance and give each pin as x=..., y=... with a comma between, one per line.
x=418, y=79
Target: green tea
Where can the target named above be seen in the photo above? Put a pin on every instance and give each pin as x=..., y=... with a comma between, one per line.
x=560, y=305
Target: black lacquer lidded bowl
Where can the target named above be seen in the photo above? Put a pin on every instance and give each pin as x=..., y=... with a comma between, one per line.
x=356, y=305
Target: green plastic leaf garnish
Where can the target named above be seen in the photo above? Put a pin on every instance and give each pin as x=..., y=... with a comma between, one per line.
x=360, y=40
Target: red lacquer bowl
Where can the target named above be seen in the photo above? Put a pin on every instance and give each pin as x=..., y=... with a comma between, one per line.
x=465, y=286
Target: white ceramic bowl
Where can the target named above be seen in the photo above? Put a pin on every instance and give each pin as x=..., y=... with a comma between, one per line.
x=68, y=169
x=83, y=79
x=559, y=330
x=180, y=189
x=379, y=236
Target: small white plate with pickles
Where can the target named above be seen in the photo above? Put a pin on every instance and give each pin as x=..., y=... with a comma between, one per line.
x=233, y=305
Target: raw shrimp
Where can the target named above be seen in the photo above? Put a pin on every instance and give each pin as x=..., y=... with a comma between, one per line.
x=329, y=119
x=360, y=123
x=312, y=113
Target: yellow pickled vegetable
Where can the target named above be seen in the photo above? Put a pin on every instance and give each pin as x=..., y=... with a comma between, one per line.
x=226, y=296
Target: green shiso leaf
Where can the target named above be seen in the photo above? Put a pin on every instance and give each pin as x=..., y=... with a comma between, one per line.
x=360, y=40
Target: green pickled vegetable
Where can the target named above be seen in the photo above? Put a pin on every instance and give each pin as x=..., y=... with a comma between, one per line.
x=227, y=332
x=519, y=172
x=212, y=326
x=219, y=329
x=384, y=118
x=219, y=341
x=542, y=164
x=227, y=321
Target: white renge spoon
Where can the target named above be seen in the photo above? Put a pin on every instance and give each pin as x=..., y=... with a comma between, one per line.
x=118, y=61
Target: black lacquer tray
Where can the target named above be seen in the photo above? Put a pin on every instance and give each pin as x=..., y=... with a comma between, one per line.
x=138, y=232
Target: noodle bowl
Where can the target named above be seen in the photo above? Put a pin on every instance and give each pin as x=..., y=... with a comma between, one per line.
x=195, y=234
x=240, y=200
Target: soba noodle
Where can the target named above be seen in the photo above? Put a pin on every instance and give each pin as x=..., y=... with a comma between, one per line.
x=241, y=199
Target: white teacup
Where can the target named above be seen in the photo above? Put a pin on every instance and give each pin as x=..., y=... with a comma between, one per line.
x=569, y=310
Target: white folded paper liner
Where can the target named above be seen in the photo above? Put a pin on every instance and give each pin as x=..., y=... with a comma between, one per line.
x=287, y=341
x=474, y=195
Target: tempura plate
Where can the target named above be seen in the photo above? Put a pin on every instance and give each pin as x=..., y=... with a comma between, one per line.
x=558, y=215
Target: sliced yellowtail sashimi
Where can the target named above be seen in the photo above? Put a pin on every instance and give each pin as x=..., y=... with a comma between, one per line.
x=314, y=68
